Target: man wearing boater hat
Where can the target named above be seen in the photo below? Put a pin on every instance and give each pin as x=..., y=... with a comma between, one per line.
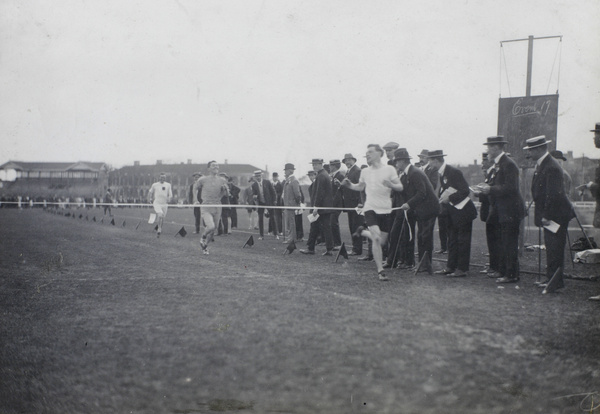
x=594, y=187
x=507, y=209
x=454, y=194
x=264, y=195
x=552, y=208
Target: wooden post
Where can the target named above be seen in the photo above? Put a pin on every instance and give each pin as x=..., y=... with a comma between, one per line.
x=529, y=65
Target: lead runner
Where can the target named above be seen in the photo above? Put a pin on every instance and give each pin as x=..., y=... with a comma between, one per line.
x=377, y=180
x=212, y=188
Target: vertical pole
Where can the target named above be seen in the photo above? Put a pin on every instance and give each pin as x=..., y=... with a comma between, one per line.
x=529, y=65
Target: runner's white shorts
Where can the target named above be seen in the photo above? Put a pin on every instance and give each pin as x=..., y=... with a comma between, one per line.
x=160, y=209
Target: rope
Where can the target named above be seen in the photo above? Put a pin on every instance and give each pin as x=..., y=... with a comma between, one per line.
x=558, y=47
x=505, y=69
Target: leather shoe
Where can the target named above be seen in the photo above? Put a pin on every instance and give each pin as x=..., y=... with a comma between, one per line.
x=306, y=251
x=494, y=275
x=354, y=254
x=507, y=280
x=458, y=273
x=387, y=266
x=542, y=283
x=327, y=253
x=404, y=266
x=594, y=298
x=382, y=276
x=365, y=259
x=441, y=251
x=443, y=272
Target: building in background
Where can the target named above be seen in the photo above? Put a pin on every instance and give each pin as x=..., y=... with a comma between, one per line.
x=53, y=179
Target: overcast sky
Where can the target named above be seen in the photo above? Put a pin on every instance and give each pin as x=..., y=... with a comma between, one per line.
x=270, y=82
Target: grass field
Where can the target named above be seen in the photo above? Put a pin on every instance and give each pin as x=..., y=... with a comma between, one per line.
x=109, y=319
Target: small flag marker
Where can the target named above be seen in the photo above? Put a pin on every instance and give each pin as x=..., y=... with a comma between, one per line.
x=342, y=252
x=138, y=225
x=112, y=222
x=290, y=247
x=181, y=232
x=249, y=242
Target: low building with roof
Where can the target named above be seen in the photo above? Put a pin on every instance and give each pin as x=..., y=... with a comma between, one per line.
x=54, y=179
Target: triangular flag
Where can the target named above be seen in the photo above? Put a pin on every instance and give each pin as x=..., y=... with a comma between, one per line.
x=123, y=225
x=152, y=218
x=249, y=242
x=102, y=220
x=156, y=228
x=74, y=215
x=81, y=216
x=138, y=225
x=424, y=263
x=94, y=218
x=290, y=247
x=181, y=232
x=342, y=252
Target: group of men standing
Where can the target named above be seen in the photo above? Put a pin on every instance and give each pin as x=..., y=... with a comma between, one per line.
x=400, y=202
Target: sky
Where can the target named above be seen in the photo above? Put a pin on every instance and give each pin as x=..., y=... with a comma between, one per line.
x=271, y=82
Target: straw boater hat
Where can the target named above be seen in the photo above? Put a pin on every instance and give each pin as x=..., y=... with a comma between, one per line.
x=257, y=173
x=597, y=129
x=348, y=157
x=536, y=142
x=498, y=139
x=401, y=154
x=436, y=153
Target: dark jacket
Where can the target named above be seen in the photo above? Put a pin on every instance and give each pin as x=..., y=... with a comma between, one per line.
x=432, y=174
x=351, y=198
x=484, y=199
x=453, y=178
x=506, y=203
x=268, y=191
x=548, y=193
x=420, y=195
x=338, y=200
x=321, y=195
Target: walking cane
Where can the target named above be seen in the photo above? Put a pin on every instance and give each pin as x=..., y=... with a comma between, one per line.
x=569, y=247
x=399, y=240
x=582, y=230
x=539, y=254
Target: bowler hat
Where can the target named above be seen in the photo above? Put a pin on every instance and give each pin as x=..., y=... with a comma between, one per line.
x=435, y=154
x=317, y=161
x=424, y=153
x=401, y=154
x=536, y=142
x=391, y=146
x=597, y=129
x=311, y=172
x=497, y=139
x=289, y=166
x=349, y=157
x=335, y=162
x=558, y=155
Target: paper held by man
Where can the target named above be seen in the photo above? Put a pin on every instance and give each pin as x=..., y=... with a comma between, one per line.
x=446, y=195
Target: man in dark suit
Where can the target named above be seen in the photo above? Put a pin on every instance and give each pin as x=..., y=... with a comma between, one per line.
x=191, y=200
x=264, y=195
x=336, y=174
x=507, y=208
x=420, y=197
x=491, y=226
x=552, y=207
x=277, y=215
x=461, y=213
x=351, y=200
x=321, y=199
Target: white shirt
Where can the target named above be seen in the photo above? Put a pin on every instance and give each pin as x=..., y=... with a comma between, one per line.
x=378, y=195
x=162, y=192
x=541, y=159
x=497, y=159
x=442, y=169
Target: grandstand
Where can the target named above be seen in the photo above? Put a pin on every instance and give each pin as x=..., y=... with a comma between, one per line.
x=54, y=179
